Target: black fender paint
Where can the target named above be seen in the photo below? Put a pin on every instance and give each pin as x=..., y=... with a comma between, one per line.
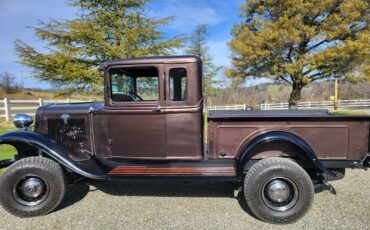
x=281, y=136
x=50, y=148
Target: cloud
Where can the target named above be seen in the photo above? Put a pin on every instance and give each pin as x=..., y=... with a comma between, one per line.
x=187, y=14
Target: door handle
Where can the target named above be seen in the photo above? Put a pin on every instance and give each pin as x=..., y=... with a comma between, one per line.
x=157, y=109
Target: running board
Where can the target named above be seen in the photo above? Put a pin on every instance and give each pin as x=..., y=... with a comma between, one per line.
x=216, y=168
x=175, y=171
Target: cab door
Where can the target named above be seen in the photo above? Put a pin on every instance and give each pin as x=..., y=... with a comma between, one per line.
x=184, y=108
x=132, y=123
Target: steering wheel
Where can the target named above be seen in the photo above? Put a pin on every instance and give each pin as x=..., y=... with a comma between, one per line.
x=134, y=96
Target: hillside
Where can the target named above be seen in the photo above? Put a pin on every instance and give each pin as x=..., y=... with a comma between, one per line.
x=45, y=94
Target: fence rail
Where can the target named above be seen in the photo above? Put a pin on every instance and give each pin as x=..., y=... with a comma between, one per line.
x=319, y=104
x=7, y=107
x=227, y=107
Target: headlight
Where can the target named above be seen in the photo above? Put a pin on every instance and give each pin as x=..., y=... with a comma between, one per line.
x=22, y=121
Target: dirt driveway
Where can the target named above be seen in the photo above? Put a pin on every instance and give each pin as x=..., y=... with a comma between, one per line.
x=192, y=205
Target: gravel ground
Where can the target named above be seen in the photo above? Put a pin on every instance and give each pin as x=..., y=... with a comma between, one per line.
x=191, y=205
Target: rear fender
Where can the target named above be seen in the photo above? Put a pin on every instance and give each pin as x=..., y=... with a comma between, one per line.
x=273, y=136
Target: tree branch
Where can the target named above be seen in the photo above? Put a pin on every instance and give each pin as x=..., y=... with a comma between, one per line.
x=321, y=77
x=317, y=45
x=290, y=53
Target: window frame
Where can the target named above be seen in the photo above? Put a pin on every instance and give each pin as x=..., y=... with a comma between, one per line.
x=183, y=90
x=109, y=102
x=168, y=68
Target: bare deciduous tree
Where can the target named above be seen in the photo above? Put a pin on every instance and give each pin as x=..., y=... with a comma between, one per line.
x=7, y=81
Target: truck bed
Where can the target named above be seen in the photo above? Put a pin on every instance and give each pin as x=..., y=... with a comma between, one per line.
x=332, y=137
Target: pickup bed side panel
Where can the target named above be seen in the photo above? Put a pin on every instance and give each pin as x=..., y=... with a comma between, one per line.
x=330, y=140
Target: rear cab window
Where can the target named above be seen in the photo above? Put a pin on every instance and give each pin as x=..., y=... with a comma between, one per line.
x=178, y=84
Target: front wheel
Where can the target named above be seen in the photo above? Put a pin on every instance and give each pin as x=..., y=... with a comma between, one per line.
x=31, y=187
x=278, y=190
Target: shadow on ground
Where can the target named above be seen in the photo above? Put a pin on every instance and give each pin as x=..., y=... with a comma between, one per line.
x=171, y=188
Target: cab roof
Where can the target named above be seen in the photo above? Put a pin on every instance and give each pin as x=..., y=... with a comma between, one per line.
x=152, y=60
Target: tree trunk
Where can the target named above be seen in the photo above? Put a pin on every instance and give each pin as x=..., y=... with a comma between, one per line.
x=295, y=96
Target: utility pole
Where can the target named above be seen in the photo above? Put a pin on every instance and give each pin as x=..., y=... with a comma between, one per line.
x=336, y=86
x=336, y=92
x=22, y=83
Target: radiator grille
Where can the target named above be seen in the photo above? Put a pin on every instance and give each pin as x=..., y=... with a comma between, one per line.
x=70, y=133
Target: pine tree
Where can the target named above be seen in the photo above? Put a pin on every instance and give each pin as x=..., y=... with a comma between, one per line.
x=198, y=46
x=103, y=30
x=299, y=42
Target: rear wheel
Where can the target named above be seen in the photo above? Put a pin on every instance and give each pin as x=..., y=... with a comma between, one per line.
x=31, y=187
x=278, y=190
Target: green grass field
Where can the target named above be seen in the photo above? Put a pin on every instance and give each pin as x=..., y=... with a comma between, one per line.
x=6, y=151
x=348, y=112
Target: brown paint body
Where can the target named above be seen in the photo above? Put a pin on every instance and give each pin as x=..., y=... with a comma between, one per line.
x=168, y=131
x=330, y=140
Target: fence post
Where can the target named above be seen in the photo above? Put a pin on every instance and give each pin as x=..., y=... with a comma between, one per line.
x=41, y=102
x=7, y=109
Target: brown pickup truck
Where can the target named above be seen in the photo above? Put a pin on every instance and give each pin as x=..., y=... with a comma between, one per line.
x=151, y=125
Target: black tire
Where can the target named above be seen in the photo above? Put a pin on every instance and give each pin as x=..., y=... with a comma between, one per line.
x=261, y=190
x=32, y=186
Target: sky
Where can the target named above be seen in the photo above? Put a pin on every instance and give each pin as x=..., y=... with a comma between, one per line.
x=16, y=16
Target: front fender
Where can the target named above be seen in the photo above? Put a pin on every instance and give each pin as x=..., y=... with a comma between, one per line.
x=286, y=137
x=46, y=145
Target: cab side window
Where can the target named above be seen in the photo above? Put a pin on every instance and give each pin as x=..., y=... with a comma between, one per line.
x=134, y=84
x=178, y=84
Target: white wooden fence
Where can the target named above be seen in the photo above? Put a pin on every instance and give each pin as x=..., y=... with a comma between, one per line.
x=319, y=104
x=227, y=107
x=8, y=108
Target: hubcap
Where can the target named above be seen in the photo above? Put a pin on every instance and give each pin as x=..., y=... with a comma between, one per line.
x=30, y=190
x=280, y=194
x=278, y=191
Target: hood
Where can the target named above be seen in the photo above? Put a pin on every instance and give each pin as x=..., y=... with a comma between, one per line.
x=48, y=112
x=70, y=108
x=68, y=125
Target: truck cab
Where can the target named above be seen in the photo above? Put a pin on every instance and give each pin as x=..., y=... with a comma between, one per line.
x=152, y=110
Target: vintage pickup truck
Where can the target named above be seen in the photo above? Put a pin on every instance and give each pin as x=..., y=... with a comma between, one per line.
x=151, y=125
